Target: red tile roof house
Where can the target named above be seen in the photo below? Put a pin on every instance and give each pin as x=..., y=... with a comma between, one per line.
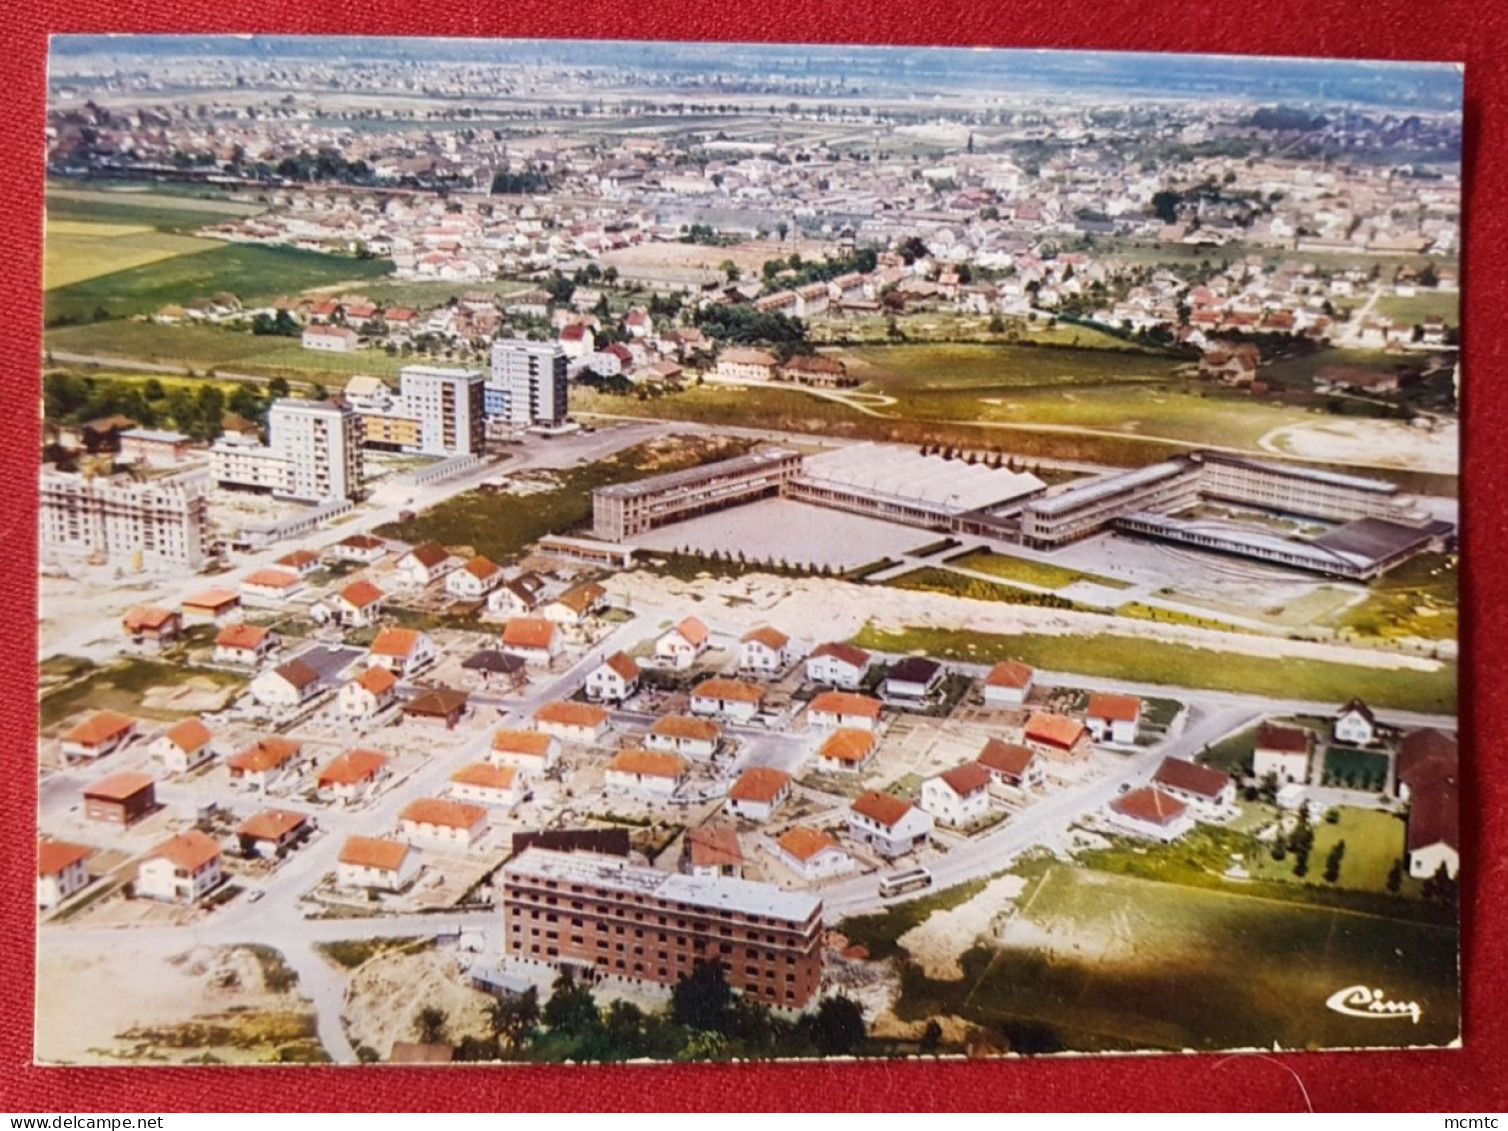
x=682, y=734
x=120, y=799
x=682, y=644
x=1209, y=794
x=182, y=869
x=766, y=651
x=532, y=639
x=1424, y=757
x=576, y=605
x=846, y=750
x=1149, y=812
x=62, y=870
x=245, y=645
x=572, y=722
x=613, y=680
x=402, y=651
x=266, y=763
x=272, y=586
x=959, y=797
x=1008, y=684
x=890, y=825
x=474, y=580
x=370, y=863
x=287, y=686
x=152, y=628
x=368, y=695
x=486, y=784
x=1114, y=719
x=812, y=854
x=423, y=565
x=731, y=699
x=359, y=604
x=1012, y=765
x=451, y=824
x=646, y=772
x=102, y=733
x=758, y=793
x=352, y=776
x=526, y=750
x=301, y=562
x=440, y=707
x=361, y=548
x=831, y=710
x=1057, y=738
x=1434, y=833
x=712, y=850
x=273, y=832
x=838, y=665
x=213, y=606
x=1283, y=752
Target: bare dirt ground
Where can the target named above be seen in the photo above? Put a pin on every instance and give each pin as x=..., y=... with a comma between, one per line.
x=1382, y=443
x=128, y=1003
x=749, y=256
x=937, y=941
x=386, y=993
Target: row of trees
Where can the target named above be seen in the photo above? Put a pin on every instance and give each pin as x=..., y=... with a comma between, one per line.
x=72, y=399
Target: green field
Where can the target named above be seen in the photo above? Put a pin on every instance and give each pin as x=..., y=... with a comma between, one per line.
x=1419, y=598
x=1043, y=574
x=1413, y=309
x=500, y=525
x=1099, y=962
x=160, y=208
x=1314, y=607
x=931, y=579
x=1179, y=665
x=1347, y=768
x=948, y=326
x=120, y=687
x=78, y=250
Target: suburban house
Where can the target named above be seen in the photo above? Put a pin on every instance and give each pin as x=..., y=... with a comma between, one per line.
x=731, y=699
x=682, y=734
x=765, y=651
x=352, y=776
x=120, y=799
x=491, y=668
x=1113, y=718
x=613, y=680
x=441, y=707
x=1355, y=725
x=369, y=694
x=576, y=605
x=890, y=825
x=286, y=686
x=532, y=639
x=846, y=750
x=958, y=797
x=1283, y=752
x=301, y=562
x=532, y=751
x=372, y=863
x=102, y=733
x=518, y=597
x=1057, y=737
x=740, y=364
x=359, y=604
x=712, y=850
x=272, y=832
x=682, y=644
x=474, y=580
x=838, y=665
x=831, y=710
x=757, y=793
x=330, y=339
x=452, y=824
x=1013, y=765
x=812, y=854
x=245, y=645
x=1008, y=684
x=634, y=770
x=62, y=869
x=487, y=784
x=423, y=565
x=273, y=586
x=1424, y=757
x=1149, y=812
x=914, y=678
x=180, y=870
x=184, y=746
x=1434, y=832
x=572, y=722
x=152, y=628
x=403, y=651
x=266, y=763
x=1210, y=794
x=213, y=606
x=364, y=549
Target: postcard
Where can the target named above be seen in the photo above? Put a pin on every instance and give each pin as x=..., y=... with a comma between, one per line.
x=592, y=551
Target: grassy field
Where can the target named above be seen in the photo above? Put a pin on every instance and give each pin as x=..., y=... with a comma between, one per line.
x=1419, y=598
x=1413, y=309
x=1314, y=607
x=77, y=250
x=158, y=208
x=1043, y=574
x=931, y=579
x=1179, y=665
x=501, y=525
x=120, y=687
x=1097, y=961
x=932, y=325
x=879, y=931
x=1299, y=372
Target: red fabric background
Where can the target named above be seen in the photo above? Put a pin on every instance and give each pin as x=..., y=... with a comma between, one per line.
x=1467, y=31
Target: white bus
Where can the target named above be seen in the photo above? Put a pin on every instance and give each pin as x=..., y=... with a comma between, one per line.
x=899, y=883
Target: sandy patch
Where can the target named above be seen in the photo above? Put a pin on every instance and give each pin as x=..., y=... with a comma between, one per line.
x=1380, y=443
x=387, y=993
x=937, y=941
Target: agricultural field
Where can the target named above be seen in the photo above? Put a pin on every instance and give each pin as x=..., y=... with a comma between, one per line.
x=1413, y=309
x=78, y=250
x=1095, y=961
x=167, y=207
x=1179, y=665
x=1027, y=572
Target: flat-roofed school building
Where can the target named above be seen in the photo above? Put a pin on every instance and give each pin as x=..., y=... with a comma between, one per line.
x=623, y=510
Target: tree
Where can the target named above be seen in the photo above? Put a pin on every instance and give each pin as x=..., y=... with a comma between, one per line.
x=703, y=999
x=277, y=387
x=1332, y=862
x=571, y=1009
x=1395, y=877
x=1165, y=205
x=209, y=405
x=838, y=1028
x=931, y=1036
x=515, y=1018
x=152, y=389
x=431, y=1025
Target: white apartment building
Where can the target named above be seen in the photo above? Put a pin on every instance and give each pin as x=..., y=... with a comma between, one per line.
x=163, y=521
x=528, y=383
x=313, y=453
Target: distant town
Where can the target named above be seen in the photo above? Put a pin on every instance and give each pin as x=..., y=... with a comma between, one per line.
x=609, y=551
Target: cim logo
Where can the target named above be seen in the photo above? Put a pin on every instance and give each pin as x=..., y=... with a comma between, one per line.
x=1372, y=1004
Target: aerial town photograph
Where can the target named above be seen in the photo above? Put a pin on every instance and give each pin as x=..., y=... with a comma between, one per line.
x=589, y=551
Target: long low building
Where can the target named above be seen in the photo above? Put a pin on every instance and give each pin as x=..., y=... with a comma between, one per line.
x=623, y=510
x=601, y=913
